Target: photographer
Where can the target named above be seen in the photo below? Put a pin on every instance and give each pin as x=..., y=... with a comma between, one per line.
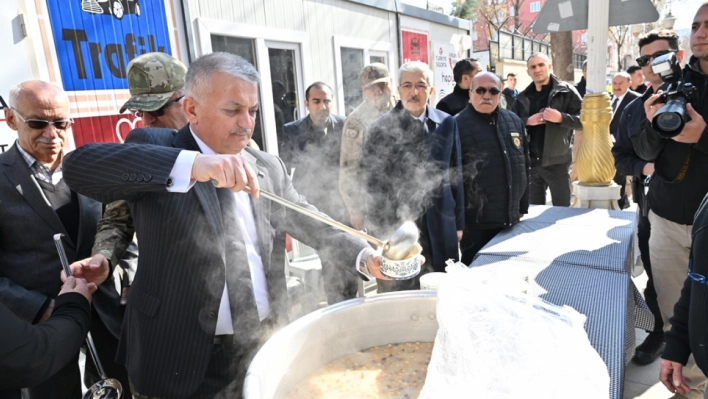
x=627, y=162
x=677, y=187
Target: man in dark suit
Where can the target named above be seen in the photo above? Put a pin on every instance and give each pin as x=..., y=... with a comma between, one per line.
x=210, y=281
x=463, y=72
x=622, y=97
x=412, y=163
x=310, y=148
x=30, y=354
x=36, y=204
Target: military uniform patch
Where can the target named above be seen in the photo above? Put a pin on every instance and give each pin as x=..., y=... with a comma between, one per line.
x=351, y=133
x=517, y=142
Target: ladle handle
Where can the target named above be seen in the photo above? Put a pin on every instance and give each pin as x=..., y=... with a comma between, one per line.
x=67, y=270
x=316, y=216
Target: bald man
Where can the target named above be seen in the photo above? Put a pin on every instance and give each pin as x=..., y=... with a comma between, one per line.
x=36, y=205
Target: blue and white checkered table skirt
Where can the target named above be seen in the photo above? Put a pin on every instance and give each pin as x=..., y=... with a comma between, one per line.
x=580, y=258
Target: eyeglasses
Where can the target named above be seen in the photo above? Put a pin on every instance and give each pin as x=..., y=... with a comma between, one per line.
x=418, y=86
x=697, y=277
x=40, y=124
x=158, y=112
x=645, y=59
x=483, y=90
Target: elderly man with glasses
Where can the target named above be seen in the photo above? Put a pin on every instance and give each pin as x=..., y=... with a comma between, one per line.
x=37, y=204
x=495, y=164
x=412, y=172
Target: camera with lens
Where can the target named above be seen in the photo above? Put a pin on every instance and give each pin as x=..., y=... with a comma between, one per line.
x=670, y=119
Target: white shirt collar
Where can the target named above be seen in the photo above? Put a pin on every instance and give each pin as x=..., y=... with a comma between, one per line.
x=620, y=98
x=202, y=145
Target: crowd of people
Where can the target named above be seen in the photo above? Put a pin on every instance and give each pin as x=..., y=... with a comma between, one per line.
x=205, y=285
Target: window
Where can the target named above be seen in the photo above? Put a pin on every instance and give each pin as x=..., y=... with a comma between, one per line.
x=246, y=49
x=512, y=11
x=535, y=6
x=352, y=62
x=283, y=76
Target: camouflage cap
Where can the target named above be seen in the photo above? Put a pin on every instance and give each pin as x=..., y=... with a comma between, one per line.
x=152, y=79
x=374, y=73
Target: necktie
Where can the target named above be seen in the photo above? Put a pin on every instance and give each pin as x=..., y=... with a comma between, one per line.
x=244, y=314
x=614, y=104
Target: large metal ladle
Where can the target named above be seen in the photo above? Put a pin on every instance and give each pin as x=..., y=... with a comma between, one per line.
x=107, y=388
x=402, y=243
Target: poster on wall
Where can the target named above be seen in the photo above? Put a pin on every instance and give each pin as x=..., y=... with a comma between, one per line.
x=94, y=41
x=445, y=56
x=415, y=46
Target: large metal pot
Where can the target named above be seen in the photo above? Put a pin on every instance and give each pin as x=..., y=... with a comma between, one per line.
x=335, y=331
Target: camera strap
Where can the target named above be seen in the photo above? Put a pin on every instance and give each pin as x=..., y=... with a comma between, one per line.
x=682, y=173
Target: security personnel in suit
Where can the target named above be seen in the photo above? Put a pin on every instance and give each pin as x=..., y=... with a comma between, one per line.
x=310, y=148
x=622, y=97
x=211, y=282
x=37, y=204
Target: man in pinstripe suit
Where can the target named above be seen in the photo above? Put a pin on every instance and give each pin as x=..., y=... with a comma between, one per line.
x=210, y=276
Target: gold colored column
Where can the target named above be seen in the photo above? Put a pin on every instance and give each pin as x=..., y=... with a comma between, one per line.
x=595, y=163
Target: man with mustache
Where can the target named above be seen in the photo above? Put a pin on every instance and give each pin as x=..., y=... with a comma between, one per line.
x=550, y=109
x=211, y=283
x=495, y=162
x=310, y=149
x=413, y=172
x=37, y=203
x=376, y=86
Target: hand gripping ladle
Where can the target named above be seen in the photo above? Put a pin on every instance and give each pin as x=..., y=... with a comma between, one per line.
x=107, y=388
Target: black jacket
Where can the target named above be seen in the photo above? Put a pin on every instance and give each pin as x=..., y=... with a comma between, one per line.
x=510, y=97
x=30, y=354
x=689, y=324
x=581, y=87
x=670, y=196
x=494, y=196
x=315, y=158
x=627, y=162
x=455, y=101
x=564, y=98
x=629, y=96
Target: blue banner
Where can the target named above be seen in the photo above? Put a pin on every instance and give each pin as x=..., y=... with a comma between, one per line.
x=96, y=39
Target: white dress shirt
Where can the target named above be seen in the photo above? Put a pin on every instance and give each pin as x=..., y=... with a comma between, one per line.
x=181, y=177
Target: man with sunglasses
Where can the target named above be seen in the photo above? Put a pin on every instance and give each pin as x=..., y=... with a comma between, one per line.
x=37, y=203
x=677, y=187
x=495, y=164
x=627, y=161
x=550, y=109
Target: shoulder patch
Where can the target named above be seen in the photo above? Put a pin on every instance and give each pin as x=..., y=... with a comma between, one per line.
x=353, y=133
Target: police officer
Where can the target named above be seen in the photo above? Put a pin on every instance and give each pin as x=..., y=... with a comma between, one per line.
x=495, y=163
x=376, y=86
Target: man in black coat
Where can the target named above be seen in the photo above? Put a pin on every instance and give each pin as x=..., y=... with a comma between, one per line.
x=638, y=85
x=495, y=163
x=31, y=354
x=627, y=162
x=310, y=149
x=550, y=110
x=510, y=91
x=581, y=86
x=463, y=72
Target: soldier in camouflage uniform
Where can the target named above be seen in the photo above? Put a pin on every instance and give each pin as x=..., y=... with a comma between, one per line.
x=155, y=82
x=376, y=86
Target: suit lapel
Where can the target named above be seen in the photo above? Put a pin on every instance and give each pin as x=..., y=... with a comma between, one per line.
x=261, y=209
x=205, y=191
x=20, y=176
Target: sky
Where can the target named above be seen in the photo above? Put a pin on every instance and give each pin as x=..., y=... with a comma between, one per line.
x=685, y=18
